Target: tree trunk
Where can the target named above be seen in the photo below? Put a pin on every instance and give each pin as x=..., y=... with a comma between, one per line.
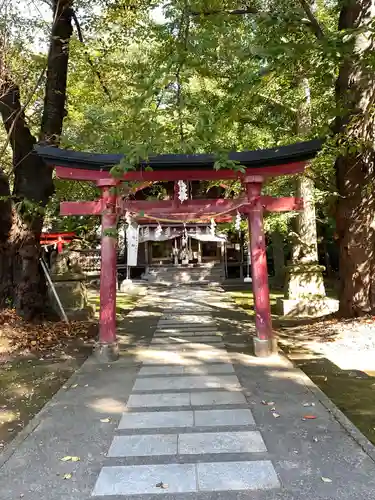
x=306, y=249
x=277, y=241
x=58, y=57
x=304, y=276
x=6, y=281
x=23, y=283
x=355, y=95
x=20, y=251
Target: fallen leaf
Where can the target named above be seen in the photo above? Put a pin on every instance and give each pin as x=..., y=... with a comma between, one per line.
x=105, y=420
x=67, y=476
x=68, y=458
x=326, y=480
x=162, y=485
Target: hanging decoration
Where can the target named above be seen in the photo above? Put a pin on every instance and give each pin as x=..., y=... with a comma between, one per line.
x=237, y=223
x=198, y=230
x=132, y=239
x=184, y=238
x=182, y=191
x=121, y=239
x=212, y=227
x=146, y=232
x=128, y=218
x=167, y=232
x=158, y=232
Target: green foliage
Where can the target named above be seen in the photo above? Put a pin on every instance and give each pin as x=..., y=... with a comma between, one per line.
x=191, y=83
x=111, y=232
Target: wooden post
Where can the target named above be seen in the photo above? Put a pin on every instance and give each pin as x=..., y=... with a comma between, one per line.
x=107, y=347
x=60, y=244
x=263, y=343
x=175, y=254
x=199, y=252
x=146, y=257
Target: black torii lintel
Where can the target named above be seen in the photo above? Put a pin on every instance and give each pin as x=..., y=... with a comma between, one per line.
x=260, y=158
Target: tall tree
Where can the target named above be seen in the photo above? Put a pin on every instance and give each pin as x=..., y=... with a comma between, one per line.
x=355, y=97
x=22, y=283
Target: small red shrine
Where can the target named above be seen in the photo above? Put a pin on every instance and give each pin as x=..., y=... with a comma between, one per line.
x=257, y=167
x=56, y=239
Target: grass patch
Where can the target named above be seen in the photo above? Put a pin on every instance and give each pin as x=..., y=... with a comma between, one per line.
x=124, y=303
x=244, y=299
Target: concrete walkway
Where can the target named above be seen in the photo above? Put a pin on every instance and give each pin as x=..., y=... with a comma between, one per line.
x=188, y=413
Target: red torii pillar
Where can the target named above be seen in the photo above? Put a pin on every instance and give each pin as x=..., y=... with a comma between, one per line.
x=264, y=342
x=106, y=348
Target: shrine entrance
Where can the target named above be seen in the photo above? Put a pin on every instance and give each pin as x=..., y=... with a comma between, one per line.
x=179, y=245
x=256, y=168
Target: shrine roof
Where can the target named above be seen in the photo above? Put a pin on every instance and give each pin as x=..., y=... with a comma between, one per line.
x=257, y=159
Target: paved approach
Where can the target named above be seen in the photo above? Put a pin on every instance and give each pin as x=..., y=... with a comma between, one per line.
x=188, y=413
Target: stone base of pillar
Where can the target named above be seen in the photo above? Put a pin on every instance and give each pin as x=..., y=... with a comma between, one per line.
x=304, y=280
x=305, y=294
x=308, y=307
x=106, y=353
x=264, y=348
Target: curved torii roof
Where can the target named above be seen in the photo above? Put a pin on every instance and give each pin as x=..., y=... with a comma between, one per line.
x=268, y=162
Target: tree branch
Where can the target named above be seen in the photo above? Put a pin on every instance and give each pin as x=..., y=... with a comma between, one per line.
x=314, y=24
x=89, y=60
x=235, y=12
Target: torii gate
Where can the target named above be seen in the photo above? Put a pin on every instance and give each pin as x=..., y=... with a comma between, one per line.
x=258, y=166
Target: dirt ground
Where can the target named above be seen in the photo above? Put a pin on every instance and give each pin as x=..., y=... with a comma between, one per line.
x=36, y=360
x=338, y=355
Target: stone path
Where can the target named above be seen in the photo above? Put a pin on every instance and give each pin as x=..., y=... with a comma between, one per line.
x=188, y=413
x=187, y=427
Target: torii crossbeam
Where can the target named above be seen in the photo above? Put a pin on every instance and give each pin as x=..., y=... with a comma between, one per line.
x=257, y=167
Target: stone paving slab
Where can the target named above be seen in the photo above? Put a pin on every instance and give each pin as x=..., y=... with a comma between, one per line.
x=143, y=445
x=229, y=476
x=215, y=398
x=159, y=400
x=221, y=442
x=209, y=398
x=202, y=369
x=185, y=418
x=142, y=479
x=228, y=382
x=203, y=339
x=230, y=418
x=185, y=346
x=187, y=332
x=159, y=419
